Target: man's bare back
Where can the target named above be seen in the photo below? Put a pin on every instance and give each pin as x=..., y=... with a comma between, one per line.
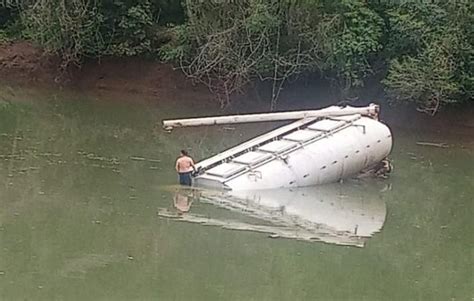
x=184, y=167
x=184, y=164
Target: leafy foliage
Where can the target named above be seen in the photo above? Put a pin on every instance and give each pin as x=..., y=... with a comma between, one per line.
x=128, y=27
x=227, y=45
x=77, y=28
x=3, y=36
x=430, y=55
x=68, y=28
x=354, y=42
x=423, y=50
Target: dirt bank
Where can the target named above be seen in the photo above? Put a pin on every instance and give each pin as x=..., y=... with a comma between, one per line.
x=23, y=63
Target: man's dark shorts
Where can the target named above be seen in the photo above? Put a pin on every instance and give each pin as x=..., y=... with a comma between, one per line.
x=185, y=178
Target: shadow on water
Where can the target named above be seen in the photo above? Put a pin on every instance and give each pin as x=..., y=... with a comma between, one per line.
x=341, y=214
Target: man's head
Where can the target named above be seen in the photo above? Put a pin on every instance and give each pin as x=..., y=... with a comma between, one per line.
x=184, y=152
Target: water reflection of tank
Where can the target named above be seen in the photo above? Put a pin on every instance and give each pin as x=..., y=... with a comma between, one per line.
x=339, y=214
x=339, y=207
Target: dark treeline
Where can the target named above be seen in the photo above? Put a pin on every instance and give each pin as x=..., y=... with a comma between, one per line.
x=422, y=51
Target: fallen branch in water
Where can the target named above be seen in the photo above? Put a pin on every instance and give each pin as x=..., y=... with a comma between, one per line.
x=442, y=145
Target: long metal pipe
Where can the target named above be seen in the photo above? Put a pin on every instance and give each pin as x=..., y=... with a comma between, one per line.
x=370, y=110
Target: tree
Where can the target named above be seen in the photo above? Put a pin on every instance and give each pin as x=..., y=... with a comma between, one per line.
x=227, y=45
x=431, y=55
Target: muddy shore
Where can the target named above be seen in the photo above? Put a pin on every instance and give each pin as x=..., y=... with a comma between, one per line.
x=22, y=63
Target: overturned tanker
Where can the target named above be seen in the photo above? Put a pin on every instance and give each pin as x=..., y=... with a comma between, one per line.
x=323, y=146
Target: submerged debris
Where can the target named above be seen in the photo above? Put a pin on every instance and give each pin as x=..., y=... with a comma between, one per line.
x=137, y=158
x=442, y=144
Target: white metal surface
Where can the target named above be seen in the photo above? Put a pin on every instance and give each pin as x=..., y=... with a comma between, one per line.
x=252, y=158
x=302, y=135
x=225, y=170
x=326, y=125
x=370, y=110
x=346, y=148
x=277, y=146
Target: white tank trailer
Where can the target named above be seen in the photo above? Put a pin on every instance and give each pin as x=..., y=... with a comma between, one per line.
x=323, y=146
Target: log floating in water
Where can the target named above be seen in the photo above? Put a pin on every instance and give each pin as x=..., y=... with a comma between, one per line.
x=442, y=145
x=371, y=110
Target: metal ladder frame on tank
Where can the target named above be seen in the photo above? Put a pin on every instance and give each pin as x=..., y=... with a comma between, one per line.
x=251, y=144
x=277, y=155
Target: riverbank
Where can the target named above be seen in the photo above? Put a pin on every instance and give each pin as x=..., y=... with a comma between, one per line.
x=24, y=64
x=21, y=63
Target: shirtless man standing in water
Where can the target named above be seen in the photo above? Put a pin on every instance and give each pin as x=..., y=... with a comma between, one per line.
x=184, y=167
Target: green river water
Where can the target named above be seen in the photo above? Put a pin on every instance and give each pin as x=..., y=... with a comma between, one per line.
x=83, y=179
